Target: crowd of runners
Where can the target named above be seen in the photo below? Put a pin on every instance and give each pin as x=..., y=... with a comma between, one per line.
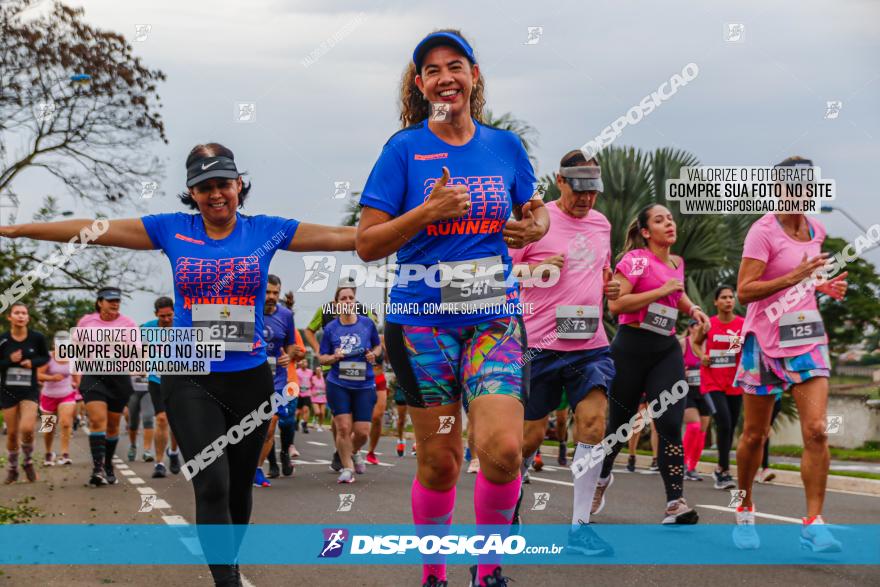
x=450, y=192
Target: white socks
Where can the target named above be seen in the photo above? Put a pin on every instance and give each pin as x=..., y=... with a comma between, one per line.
x=584, y=486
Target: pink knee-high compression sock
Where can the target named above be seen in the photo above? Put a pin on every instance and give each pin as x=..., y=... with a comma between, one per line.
x=434, y=508
x=699, y=443
x=691, y=431
x=494, y=504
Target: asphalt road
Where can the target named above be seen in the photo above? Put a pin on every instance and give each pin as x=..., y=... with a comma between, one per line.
x=311, y=496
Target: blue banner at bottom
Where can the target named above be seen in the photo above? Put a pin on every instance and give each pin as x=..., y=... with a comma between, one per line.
x=458, y=544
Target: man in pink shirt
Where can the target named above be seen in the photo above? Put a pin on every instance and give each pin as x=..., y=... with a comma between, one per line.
x=105, y=395
x=568, y=348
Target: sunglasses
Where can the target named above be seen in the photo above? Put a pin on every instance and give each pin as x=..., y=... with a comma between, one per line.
x=581, y=184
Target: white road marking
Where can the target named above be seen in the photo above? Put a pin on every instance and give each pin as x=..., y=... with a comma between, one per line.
x=175, y=520
x=315, y=462
x=554, y=481
x=757, y=514
x=146, y=490
x=316, y=443
x=161, y=504
x=127, y=472
x=135, y=480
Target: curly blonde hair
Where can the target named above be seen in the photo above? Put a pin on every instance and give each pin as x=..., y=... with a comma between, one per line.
x=414, y=108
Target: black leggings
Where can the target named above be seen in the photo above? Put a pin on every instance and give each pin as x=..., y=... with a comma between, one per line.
x=777, y=406
x=648, y=363
x=201, y=409
x=727, y=409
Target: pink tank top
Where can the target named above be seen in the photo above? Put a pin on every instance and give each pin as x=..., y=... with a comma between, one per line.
x=58, y=388
x=691, y=361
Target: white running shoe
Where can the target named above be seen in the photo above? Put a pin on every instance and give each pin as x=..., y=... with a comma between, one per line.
x=346, y=476
x=474, y=466
x=765, y=476
x=745, y=537
x=816, y=537
x=360, y=465
x=293, y=452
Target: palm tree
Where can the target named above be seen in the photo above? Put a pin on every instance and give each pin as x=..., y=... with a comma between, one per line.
x=526, y=132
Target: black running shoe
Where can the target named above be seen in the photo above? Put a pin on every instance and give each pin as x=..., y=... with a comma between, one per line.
x=631, y=464
x=336, y=465
x=286, y=465
x=435, y=582
x=584, y=540
x=159, y=471
x=97, y=479
x=496, y=579
x=274, y=471
x=110, y=475
x=174, y=465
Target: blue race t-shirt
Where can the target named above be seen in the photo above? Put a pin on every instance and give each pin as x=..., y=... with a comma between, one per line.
x=495, y=167
x=278, y=332
x=353, y=372
x=152, y=324
x=221, y=284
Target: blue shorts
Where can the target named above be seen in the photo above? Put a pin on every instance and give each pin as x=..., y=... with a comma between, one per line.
x=576, y=372
x=285, y=411
x=357, y=402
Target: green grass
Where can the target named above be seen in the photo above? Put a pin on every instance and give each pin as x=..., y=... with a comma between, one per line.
x=871, y=455
x=848, y=380
x=20, y=513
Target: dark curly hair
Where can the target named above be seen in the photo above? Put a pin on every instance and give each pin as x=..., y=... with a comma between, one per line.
x=211, y=150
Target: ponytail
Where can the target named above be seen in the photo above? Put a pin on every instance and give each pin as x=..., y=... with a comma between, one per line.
x=634, y=239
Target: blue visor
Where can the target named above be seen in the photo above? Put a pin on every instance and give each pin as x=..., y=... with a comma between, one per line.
x=437, y=40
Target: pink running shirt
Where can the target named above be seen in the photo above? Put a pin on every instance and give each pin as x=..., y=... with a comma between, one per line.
x=646, y=272
x=548, y=313
x=799, y=324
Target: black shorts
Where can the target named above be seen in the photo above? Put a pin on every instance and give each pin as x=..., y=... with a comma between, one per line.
x=156, y=395
x=13, y=394
x=302, y=402
x=703, y=402
x=114, y=390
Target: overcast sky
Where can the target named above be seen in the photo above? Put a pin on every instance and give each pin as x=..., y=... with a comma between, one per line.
x=754, y=102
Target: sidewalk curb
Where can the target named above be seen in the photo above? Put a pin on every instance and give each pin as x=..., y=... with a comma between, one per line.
x=789, y=478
